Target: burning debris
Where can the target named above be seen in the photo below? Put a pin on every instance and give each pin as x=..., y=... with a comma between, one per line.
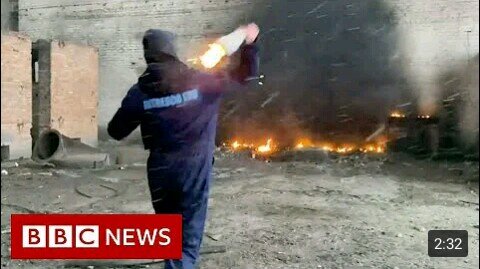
x=397, y=114
x=267, y=148
x=270, y=147
x=400, y=127
x=424, y=116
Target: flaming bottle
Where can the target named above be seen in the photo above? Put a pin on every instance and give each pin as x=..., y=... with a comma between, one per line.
x=224, y=46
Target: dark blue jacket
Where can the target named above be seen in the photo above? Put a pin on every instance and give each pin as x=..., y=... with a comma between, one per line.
x=176, y=106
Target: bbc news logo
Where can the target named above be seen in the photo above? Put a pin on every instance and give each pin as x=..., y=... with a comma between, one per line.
x=96, y=236
x=60, y=236
x=85, y=236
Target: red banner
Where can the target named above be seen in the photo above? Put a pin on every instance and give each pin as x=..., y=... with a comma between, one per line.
x=96, y=236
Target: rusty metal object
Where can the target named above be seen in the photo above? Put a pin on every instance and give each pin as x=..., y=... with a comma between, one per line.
x=53, y=147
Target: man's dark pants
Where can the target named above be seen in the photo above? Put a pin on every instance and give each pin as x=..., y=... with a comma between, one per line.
x=179, y=184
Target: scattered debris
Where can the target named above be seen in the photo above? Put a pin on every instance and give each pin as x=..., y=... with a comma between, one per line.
x=9, y=164
x=222, y=175
x=48, y=165
x=213, y=249
x=110, y=179
x=65, y=173
x=92, y=191
x=215, y=237
x=469, y=202
x=240, y=170
x=19, y=208
x=4, y=172
x=420, y=229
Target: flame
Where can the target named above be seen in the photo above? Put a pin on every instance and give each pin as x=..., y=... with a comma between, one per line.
x=424, y=117
x=235, y=145
x=345, y=149
x=265, y=148
x=373, y=148
x=397, y=114
x=304, y=143
x=269, y=147
x=213, y=56
x=327, y=147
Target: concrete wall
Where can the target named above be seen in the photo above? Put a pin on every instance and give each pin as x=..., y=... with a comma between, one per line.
x=116, y=28
x=357, y=44
x=16, y=94
x=66, y=91
x=9, y=15
x=436, y=36
x=5, y=15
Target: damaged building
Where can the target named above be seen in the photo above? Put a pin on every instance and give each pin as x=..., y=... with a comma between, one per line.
x=364, y=111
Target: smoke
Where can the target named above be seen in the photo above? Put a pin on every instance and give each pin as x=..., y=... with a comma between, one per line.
x=330, y=66
x=459, y=90
x=420, y=48
x=470, y=114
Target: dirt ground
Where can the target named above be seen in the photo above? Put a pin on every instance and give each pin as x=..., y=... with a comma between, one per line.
x=349, y=212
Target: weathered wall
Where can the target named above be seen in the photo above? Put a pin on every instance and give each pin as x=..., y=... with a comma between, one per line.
x=5, y=15
x=66, y=90
x=9, y=15
x=116, y=28
x=16, y=94
x=352, y=59
x=435, y=35
x=74, y=89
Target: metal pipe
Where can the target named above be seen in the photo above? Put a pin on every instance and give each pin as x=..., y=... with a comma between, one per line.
x=53, y=147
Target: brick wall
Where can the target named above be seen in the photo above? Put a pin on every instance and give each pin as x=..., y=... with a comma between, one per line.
x=116, y=28
x=74, y=88
x=432, y=33
x=16, y=98
x=66, y=92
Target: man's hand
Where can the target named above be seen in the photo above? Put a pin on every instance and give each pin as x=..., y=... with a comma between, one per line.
x=252, y=32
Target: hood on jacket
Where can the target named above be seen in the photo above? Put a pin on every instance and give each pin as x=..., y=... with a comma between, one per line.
x=165, y=74
x=165, y=78
x=157, y=44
